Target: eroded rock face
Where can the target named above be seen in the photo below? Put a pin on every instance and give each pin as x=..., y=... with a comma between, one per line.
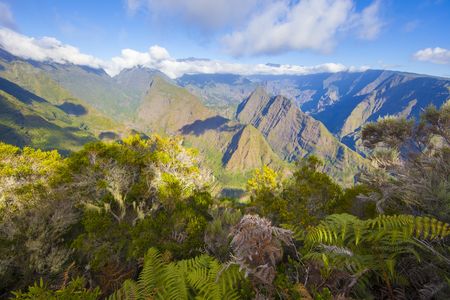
x=249, y=150
x=292, y=134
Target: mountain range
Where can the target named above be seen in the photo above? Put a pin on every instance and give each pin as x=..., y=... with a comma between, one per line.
x=238, y=123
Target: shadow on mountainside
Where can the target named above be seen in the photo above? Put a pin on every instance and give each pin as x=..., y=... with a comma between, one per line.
x=198, y=127
x=18, y=92
x=73, y=109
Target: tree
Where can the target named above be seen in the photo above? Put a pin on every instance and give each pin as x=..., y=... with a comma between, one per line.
x=35, y=217
x=411, y=163
x=137, y=193
x=305, y=198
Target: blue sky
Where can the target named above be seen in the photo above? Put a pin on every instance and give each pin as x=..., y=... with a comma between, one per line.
x=402, y=35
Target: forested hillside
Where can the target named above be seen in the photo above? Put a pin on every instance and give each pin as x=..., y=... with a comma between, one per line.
x=137, y=219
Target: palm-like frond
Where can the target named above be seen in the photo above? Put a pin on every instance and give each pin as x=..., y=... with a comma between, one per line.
x=150, y=276
x=344, y=242
x=202, y=277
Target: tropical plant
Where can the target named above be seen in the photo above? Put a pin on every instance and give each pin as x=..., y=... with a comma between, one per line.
x=357, y=256
x=201, y=277
x=217, y=232
x=257, y=248
x=74, y=290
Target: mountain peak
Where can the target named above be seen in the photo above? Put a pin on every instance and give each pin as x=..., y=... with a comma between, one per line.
x=249, y=150
x=293, y=134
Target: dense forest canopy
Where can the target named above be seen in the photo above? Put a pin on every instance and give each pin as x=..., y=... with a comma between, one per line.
x=137, y=219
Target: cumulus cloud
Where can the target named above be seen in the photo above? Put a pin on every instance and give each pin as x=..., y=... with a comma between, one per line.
x=157, y=57
x=206, y=14
x=434, y=55
x=6, y=16
x=44, y=49
x=307, y=24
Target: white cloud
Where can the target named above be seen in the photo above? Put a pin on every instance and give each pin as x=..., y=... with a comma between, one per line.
x=6, y=16
x=157, y=57
x=207, y=14
x=434, y=55
x=307, y=24
x=44, y=49
x=369, y=22
x=270, y=26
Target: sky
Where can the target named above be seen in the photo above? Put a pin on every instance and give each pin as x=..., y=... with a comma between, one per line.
x=232, y=36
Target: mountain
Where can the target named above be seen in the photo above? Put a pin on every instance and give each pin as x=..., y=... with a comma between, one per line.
x=231, y=150
x=135, y=81
x=220, y=92
x=342, y=101
x=39, y=112
x=29, y=120
x=94, y=86
x=238, y=123
x=166, y=108
x=248, y=150
x=294, y=135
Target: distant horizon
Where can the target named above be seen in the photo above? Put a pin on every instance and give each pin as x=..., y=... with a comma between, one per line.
x=285, y=37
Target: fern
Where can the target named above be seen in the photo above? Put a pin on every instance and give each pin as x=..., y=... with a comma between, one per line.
x=344, y=242
x=201, y=277
x=150, y=276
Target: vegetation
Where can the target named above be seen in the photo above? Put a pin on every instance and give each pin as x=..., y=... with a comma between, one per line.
x=136, y=219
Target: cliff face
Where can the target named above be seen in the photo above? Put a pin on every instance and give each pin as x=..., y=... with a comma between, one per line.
x=293, y=134
x=248, y=150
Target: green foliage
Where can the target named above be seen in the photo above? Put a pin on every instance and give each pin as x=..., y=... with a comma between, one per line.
x=392, y=132
x=75, y=290
x=25, y=176
x=114, y=209
x=308, y=196
x=137, y=194
x=374, y=248
x=201, y=277
x=35, y=216
x=217, y=232
x=411, y=169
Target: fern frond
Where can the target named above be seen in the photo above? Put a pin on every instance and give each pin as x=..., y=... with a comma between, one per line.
x=202, y=277
x=151, y=273
x=128, y=291
x=175, y=286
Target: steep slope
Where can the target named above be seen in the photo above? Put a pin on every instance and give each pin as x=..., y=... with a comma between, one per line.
x=34, y=80
x=37, y=111
x=231, y=150
x=293, y=134
x=381, y=94
x=249, y=150
x=166, y=108
x=342, y=101
x=29, y=120
x=94, y=86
